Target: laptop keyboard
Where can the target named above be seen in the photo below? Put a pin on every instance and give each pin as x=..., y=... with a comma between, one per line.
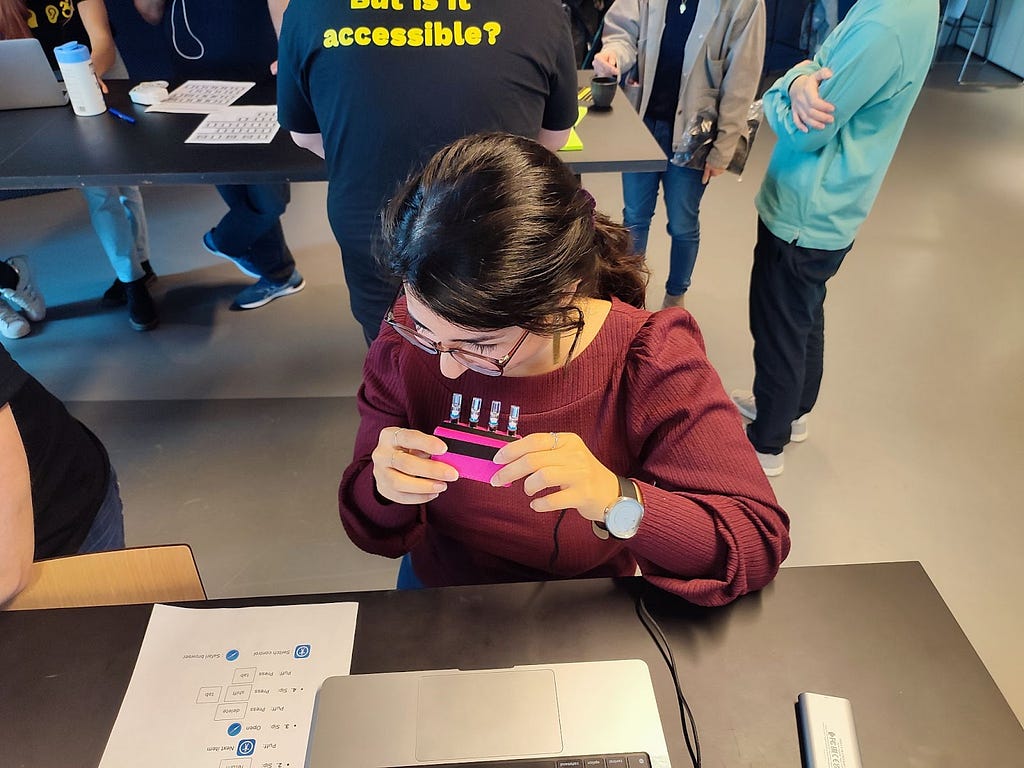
x=619, y=760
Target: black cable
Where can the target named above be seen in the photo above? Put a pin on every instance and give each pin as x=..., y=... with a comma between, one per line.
x=685, y=714
x=554, y=553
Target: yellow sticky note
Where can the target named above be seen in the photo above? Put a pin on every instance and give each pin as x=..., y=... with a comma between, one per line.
x=574, y=142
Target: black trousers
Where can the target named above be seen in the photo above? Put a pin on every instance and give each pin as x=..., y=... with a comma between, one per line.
x=787, y=321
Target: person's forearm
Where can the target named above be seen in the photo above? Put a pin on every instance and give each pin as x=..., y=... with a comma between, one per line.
x=277, y=8
x=17, y=537
x=101, y=42
x=553, y=140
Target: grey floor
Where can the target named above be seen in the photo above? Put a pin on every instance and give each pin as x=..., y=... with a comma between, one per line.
x=230, y=430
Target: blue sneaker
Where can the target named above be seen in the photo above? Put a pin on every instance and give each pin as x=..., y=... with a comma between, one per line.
x=264, y=291
x=244, y=265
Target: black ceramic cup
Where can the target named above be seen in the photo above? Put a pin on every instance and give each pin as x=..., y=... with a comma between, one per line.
x=602, y=91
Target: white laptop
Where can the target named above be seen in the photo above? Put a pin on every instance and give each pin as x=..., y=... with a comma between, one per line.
x=26, y=79
x=582, y=715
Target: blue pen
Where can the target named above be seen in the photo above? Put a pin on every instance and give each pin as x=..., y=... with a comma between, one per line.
x=120, y=115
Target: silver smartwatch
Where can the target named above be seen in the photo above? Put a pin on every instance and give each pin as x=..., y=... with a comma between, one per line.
x=622, y=517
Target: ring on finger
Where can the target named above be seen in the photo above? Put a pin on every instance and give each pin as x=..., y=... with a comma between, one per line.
x=394, y=436
x=554, y=444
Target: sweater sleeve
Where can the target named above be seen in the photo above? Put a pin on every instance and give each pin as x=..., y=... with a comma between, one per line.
x=712, y=528
x=375, y=524
x=621, y=33
x=744, y=61
x=864, y=64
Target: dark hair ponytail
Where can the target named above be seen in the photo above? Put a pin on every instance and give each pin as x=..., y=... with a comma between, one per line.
x=496, y=232
x=622, y=273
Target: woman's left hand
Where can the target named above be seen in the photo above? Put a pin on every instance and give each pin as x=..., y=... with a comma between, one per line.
x=561, y=461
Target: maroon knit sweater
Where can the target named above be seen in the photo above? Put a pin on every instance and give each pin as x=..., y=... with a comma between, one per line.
x=647, y=403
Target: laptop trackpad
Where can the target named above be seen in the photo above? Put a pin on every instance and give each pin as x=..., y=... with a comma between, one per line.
x=472, y=715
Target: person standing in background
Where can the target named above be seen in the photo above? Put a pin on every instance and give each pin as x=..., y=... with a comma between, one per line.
x=838, y=119
x=376, y=112
x=117, y=213
x=235, y=40
x=678, y=59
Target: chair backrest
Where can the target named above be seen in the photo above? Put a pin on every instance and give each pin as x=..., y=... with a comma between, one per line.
x=119, y=577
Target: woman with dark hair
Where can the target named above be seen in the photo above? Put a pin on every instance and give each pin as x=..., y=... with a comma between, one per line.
x=632, y=456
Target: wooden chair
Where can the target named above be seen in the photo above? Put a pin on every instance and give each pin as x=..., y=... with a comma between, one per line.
x=120, y=577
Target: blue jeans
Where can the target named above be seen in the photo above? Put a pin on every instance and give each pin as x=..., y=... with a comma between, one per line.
x=107, y=531
x=407, y=578
x=252, y=228
x=683, y=192
x=119, y=221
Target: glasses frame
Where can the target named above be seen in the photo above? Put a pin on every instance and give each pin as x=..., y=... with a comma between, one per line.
x=471, y=360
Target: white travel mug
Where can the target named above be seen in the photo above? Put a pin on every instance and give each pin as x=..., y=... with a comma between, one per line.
x=80, y=79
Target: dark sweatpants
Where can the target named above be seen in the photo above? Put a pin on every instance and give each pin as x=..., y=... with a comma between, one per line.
x=787, y=321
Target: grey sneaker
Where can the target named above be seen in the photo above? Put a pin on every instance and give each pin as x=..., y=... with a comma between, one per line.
x=264, y=291
x=24, y=295
x=747, y=407
x=12, y=325
x=771, y=463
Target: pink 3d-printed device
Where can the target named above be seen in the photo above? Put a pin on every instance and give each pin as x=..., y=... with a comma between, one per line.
x=471, y=448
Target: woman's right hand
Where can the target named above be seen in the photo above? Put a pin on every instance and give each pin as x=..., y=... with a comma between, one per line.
x=605, y=64
x=403, y=469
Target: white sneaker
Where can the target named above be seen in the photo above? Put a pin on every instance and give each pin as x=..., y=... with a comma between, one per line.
x=12, y=325
x=747, y=406
x=24, y=295
x=771, y=463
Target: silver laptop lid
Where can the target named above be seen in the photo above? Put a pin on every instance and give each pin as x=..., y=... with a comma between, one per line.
x=452, y=716
x=26, y=79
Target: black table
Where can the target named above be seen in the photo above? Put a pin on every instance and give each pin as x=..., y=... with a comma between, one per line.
x=52, y=148
x=878, y=634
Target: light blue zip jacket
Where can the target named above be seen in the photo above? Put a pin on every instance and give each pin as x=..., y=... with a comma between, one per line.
x=820, y=185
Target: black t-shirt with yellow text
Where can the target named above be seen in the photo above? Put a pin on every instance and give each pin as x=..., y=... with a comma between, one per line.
x=55, y=22
x=389, y=82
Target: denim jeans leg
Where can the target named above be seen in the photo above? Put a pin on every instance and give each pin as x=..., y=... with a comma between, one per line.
x=271, y=256
x=407, y=578
x=107, y=530
x=684, y=189
x=639, y=196
x=640, y=190
x=252, y=210
x=131, y=199
x=112, y=225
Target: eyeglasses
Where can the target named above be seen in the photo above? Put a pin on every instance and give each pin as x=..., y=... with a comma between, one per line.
x=488, y=366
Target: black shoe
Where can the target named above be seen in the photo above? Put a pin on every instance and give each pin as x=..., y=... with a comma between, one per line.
x=114, y=295
x=141, y=309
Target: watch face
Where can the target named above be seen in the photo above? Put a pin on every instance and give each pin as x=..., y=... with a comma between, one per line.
x=624, y=517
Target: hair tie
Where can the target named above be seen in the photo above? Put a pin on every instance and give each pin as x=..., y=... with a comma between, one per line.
x=591, y=203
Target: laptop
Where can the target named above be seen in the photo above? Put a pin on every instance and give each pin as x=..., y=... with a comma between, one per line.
x=599, y=714
x=26, y=79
